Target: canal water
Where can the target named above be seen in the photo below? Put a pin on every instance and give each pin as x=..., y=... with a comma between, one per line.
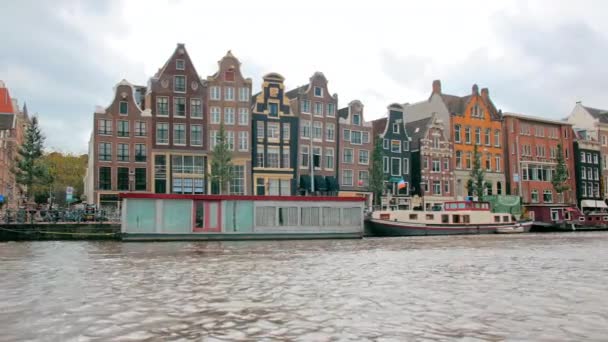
x=521, y=287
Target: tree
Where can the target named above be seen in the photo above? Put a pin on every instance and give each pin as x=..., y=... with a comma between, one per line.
x=477, y=184
x=561, y=174
x=29, y=170
x=376, y=171
x=221, y=162
x=63, y=170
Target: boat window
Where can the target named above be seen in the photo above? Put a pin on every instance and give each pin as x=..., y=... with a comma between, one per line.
x=265, y=216
x=200, y=214
x=288, y=216
x=466, y=219
x=496, y=218
x=486, y=206
x=352, y=216
x=310, y=217
x=430, y=216
x=413, y=216
x=456, y=218
x=582, y=218
x=605, y=218
x=461, y=205
x=477, y=205
x=331, y=216
x=445, y=218
x=505, y=218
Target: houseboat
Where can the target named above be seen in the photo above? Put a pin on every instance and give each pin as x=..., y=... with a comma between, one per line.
x=210, y=217
x=458, y=217
x=593, y=216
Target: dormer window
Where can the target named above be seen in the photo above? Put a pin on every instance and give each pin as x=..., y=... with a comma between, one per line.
x=396, y=128
x=318, y=92
x=124, y=108
x=180, y=64
x=229, y=75
x=273, y=109
x=357, y=119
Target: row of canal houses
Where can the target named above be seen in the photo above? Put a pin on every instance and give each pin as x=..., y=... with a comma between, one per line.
x=158, y=138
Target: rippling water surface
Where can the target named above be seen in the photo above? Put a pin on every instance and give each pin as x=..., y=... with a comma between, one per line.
x=525, y=287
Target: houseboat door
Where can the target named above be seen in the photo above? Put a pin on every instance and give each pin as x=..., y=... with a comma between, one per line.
x=207, y=216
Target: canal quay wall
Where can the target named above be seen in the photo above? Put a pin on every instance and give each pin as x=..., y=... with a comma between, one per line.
x=60, y=231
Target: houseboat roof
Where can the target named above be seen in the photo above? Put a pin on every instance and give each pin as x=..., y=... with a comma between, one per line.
x=241, y=197
x=466, y=205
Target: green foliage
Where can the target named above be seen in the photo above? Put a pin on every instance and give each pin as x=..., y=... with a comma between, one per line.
x=221, y=163
x=561, y=173
x=477, y=184
x=29, y=171
x=376, y=172
x=61, y=171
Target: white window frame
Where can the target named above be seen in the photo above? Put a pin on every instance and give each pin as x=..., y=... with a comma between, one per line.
x=359, y=157
x=192, y=143
x=185, y=84
x=192, y=114
x=314, y=91
x=177, y=61
x=406, y=166
x=400, y=162
x=351, y=177
x=243, y=136
x=229, y=94
x=229, y=112
x=243, y=119
x=215, y=114
x=168, y=133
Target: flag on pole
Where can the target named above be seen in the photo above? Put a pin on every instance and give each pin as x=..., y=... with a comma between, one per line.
x=401, y=184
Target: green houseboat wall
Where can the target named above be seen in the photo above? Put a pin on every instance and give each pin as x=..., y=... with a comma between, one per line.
x=185, y=219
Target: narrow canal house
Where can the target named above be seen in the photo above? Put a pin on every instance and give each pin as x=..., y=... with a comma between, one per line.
x=316, y=109
x=118, y=148
x=355, y=143
x=476, y=121
x=432, y=170
x=531, y=152
x=396, y=154
x=587, y=171
x=229, y=96
x=176, y=96
x=274, y=145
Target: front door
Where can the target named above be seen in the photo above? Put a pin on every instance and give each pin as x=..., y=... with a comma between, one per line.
x=207, y=216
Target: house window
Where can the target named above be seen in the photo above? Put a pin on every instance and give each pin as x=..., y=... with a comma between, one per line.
x=162, y=106
x=584, y=188
x=347, y=156
x=497, y=138
x=363, y=178
x=243, y=141
x=305, y=157
x=548, y=196
x=396, y=128
x=140, y=153
x=330, y=131
x=140, y=179
x=457, y=133
x=215, y=93
x=357, y=119
x=589, y=158
x=596, y=174
x=487, y=136
x=104, y=127
x=355, y=137
x=436, y=165
x=364, y=157
x=497, y=163
x=331, y=110
x=365, y=137
x=285, y=158
x=446, y=187
x=305, y=104
x=583, y=157
x=329, y=158
x=229, y=115
x=196, y=135
x=534, y=196
x=436, y=187
x=595, y=159
x=385, y=144
x=305, y=129
x=273, y=109
x=162, y=133
x=123, y=128
x=243, y=117
x=589, y=173
x=317, y=130
x=488, y=162
x=237, y=184
x=459, y=159
x=123, y=152
x=179, y=134
x=468, y=160
x=286, y=127
x=196, y=108
x=122, y=179
x=180, y=106
x=244, y=94
x=273, y=157
x=385, y=164
x=396, y=166
x=273, y=130
x=215, y=115
x=446, y=164
x=105, y=151
x=435, y=142
x=478, y=136
x=140, y=129
x=347, y=177
x=229, y=93
x=467, y=135
x=406, y=166
x=179, y=84
x=395, y=146
x=318, y=92
x=318, y=109
x=124, y=108
x=105, y=178
x=180, y=64
x=346, y=135
x=406, y=145
x=316, y=157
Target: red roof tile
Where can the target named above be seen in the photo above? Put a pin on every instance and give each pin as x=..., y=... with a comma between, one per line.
x=6, y=104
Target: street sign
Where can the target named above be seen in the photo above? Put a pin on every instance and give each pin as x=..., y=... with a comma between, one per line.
x=1, y=198
x=69, y=194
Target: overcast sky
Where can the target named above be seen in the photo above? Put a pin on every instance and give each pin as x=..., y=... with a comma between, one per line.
x=63, y=57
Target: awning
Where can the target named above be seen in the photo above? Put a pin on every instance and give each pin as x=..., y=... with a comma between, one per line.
x=593, y=204
x=331, y=183
x=320, y=184
x=395, y=179
x=305, y=182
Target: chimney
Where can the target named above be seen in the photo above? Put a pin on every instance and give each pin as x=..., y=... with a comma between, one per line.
x=475, y=90
x=437, y=87
x=485, y=93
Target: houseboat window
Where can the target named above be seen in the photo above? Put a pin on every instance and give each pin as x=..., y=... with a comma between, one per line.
x=605, y=218
x=477, y=205
x=466, y=219
x=310, y=217
x=351, y=216
x=265, y=216
x=453, y=206
x=430, y=216
x=461, y=205
x=455, y=218
x=505, y=218
x=199, y=214
x=445, y=218
x=288, y=216
x=331, y=216
x=496, y=218
x=413, y=216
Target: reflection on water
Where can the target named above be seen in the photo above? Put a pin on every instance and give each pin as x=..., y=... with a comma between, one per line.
x=526, y=287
